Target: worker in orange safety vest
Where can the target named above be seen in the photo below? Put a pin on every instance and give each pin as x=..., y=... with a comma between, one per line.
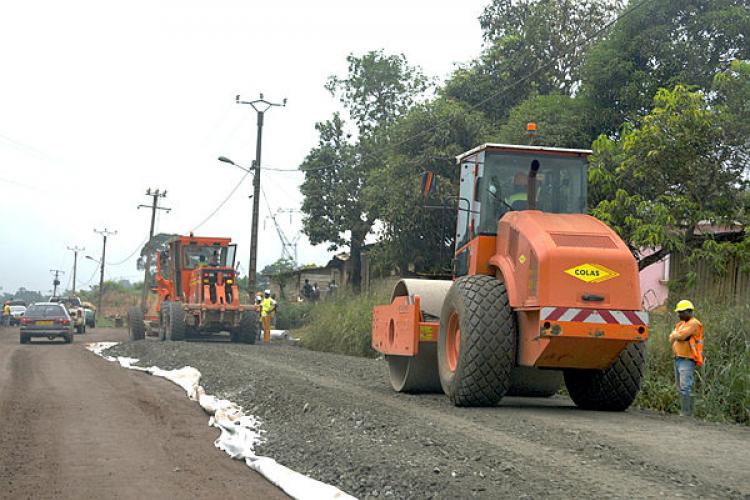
x=687, y=347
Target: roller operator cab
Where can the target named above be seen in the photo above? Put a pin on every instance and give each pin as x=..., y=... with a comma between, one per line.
x=194, y=290
x=542, y=293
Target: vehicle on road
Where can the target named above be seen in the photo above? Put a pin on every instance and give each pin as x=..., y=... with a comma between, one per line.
x=195, y=291
x=89, y=311
x=46, y=319
x=541, y=292
x=75, y=308
x=16, y=313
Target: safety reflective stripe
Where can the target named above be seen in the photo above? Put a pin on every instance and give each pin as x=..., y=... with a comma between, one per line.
x=599, y=316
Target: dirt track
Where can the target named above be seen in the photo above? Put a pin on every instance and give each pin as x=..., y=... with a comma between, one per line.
x=76, y=426
x=336, y=419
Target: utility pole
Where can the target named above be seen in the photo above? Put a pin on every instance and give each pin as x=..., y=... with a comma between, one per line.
x=104, y=234
x=56, y=281
x=260, y=106
x=75, y=251
x=155, y=195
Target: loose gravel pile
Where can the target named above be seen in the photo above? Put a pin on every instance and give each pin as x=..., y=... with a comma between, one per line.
x=336, y=419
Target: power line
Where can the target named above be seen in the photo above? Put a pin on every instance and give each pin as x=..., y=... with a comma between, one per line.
x=91, y=278
x=129, y=256
x=223, y=202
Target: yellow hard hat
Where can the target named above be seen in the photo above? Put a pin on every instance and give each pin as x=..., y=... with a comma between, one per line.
x=684, y=305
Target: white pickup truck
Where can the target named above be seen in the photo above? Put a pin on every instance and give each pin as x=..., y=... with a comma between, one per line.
x=76, y=311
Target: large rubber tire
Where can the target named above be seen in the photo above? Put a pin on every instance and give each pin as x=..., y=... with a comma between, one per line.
x=613, y=389
x=247, y=330
x=163, y=311
x=136, y=327
x=174, y=327
x=485, y=354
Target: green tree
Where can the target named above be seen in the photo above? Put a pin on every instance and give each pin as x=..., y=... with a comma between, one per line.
x=522, y=38
x=662, y=181
x=662, y=43
x=377, y=89
x=732, y=99
x=281, y=271
x=429, y=137
x=562, y=121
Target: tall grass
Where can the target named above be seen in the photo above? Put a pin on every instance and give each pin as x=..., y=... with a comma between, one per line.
x=343, y=325
x=722, y=384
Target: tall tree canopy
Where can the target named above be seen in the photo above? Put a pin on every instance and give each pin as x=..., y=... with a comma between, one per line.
x=663, y=43
x=377, y=89
x=429, y=137
x=531, y=46
x=662, y=183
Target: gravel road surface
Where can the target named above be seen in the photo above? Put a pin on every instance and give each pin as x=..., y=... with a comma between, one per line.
x=77, y=426
x=336, y=419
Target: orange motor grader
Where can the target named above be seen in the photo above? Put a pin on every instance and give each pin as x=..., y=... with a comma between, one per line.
x=195, y=291
x=541, y=292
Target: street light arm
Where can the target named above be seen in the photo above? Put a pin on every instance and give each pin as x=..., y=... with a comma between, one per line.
x=224, y=159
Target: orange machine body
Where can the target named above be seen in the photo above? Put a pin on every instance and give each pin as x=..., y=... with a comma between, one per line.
x=571, y=280
x=207, y=290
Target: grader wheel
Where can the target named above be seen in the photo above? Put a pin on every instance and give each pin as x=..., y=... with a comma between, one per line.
x=414, y=374
x=136, y=327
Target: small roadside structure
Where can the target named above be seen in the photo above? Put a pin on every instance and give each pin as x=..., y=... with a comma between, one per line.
x=329, y=278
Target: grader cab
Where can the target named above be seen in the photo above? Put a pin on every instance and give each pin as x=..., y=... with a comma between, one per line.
x=194, y=290
x=541, y=292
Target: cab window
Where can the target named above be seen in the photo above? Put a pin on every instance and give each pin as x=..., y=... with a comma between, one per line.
x=560, y=186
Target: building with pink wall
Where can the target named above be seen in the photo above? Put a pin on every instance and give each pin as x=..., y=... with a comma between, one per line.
x=654, y=290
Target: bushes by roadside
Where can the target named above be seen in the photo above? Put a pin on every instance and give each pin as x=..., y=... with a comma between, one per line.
x=343, y=325
x=292, y=315
x=722, y=385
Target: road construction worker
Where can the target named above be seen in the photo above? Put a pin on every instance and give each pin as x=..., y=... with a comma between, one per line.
x=687, y=347
x=519, y=199
x=6, y=314
x=267, y=309
x=258, y=300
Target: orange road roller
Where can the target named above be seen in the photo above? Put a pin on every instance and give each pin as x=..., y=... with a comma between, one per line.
x=541, y=292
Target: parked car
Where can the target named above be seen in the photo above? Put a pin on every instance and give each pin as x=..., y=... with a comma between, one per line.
x=46, y=319
x=89, y=310
x=75, y=309
x=16, y=312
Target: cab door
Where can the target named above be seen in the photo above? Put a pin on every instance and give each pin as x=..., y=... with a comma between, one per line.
x=468, y=215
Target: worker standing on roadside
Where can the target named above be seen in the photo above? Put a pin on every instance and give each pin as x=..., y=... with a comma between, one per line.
x=267, y=308
x=6, y=315
x=687, y=347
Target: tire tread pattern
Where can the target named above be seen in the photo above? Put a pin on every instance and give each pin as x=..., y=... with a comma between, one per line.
x=177, y=326
x=488, y=339
x=247, y=330
x=613, y=389
x=136, y=327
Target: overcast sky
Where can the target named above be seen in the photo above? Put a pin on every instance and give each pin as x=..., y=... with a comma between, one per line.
x=101, y=100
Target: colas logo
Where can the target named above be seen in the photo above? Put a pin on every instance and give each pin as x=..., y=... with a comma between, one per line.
x=592, y=273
